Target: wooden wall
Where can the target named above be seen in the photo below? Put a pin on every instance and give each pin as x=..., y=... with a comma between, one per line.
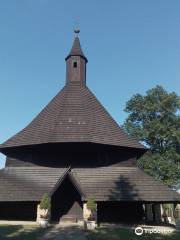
x=18, y=211
x=120, y=212
x=75, y=155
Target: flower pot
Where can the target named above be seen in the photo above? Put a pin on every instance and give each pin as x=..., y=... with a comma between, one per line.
x=90, y=225
x=43, y=223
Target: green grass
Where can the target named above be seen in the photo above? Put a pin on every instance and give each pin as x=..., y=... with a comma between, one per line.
x=35, y=233
x=20, y=232
x=128, y=234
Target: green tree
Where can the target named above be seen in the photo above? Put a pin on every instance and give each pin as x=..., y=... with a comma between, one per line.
x=154, y=120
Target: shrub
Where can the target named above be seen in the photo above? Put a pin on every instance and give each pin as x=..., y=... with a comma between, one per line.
x=45, y=205
x=45, y=202
x=91, y=204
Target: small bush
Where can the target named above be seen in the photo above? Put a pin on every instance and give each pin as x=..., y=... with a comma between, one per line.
x=167, y=206
x=45, y=202
x=91, y=204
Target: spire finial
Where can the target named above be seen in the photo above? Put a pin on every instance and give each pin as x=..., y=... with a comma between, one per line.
x=76, y=48
x=76, y=31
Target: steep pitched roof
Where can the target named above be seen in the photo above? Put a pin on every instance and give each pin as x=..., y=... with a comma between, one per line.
x=74, y=115
x=104, y=184
x=122, y=184
x=28, y=183
x=76, y=50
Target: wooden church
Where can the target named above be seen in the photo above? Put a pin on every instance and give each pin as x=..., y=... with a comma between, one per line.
x=74, y=150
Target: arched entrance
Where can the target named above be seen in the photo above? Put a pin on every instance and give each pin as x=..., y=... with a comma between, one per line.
x=66, y=204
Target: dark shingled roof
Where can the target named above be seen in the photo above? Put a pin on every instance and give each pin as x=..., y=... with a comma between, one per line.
x=104, y=184
x=27, y=183
x=74, y=115
x=76, y=50
x=123, y=184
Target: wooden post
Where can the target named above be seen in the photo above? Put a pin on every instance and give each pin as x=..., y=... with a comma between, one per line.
x=157, y=213
x=149, y=212
x=38, y=214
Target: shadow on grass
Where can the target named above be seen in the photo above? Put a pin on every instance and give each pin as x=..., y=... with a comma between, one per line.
x=21, y=232
x=66, y=232
x=128, y=234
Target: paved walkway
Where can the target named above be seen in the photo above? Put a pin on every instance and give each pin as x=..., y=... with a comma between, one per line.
x=6, y=222
x=66, y=231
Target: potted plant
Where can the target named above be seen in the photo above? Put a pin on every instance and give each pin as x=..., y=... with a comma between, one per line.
x=45, y=206
x=91, y=221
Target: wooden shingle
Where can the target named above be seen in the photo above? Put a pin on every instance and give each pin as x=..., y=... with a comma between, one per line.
x=74, y=115
x=102, y=183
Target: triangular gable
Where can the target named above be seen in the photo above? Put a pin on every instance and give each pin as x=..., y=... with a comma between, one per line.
x=73, y=180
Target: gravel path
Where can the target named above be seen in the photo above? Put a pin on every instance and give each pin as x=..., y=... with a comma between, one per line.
x=14, y=223
x=66, y=232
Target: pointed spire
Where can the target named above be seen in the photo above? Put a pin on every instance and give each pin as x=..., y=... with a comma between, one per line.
x=76, y=48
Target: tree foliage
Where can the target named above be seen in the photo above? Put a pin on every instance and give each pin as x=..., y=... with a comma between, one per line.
x=154, y=120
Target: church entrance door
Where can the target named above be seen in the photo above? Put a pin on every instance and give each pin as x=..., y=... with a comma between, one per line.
x=66, y=204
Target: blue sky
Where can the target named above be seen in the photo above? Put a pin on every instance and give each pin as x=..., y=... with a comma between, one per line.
x=131, y=46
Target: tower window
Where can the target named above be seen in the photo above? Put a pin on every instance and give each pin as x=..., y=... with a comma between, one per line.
x=75, y=64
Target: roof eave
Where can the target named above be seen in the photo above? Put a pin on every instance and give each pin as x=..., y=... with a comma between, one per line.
x=80, y=55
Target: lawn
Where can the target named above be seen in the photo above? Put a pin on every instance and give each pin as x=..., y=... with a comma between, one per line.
x=35, y=233
x=20, y=232
x=128, y=234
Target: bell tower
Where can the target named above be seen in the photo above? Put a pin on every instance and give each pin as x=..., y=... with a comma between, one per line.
x=76, y=62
